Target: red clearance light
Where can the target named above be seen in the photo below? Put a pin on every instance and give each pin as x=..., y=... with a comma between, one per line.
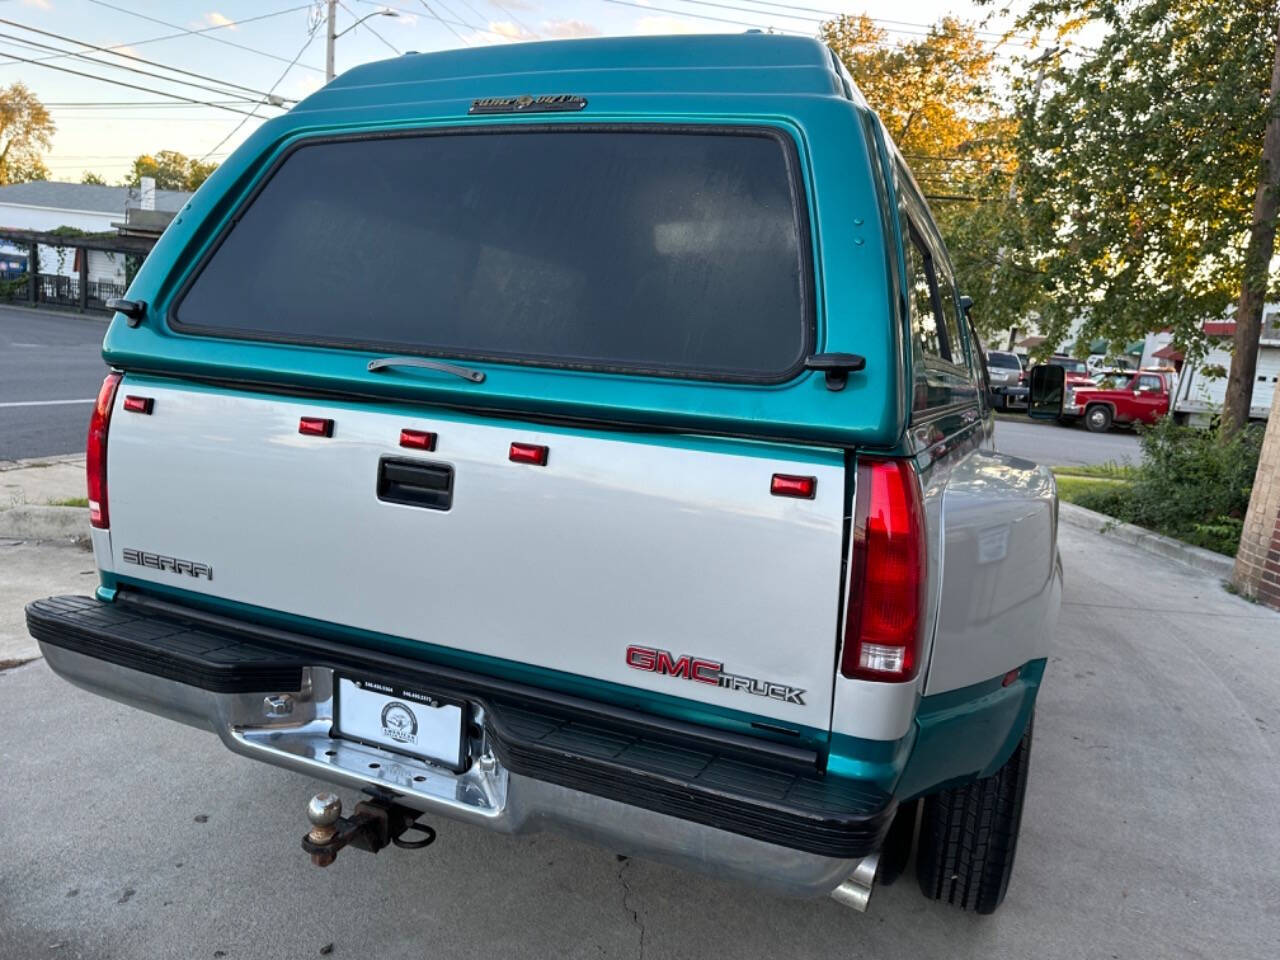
x=1011, y=676
x=418, y=439
x=784, y=485
x=95, y=461
x=315, y=427
x=528, y=453
x=138, y=404
x=887, y=575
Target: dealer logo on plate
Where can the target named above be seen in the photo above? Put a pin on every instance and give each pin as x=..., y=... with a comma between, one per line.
x=399, y=723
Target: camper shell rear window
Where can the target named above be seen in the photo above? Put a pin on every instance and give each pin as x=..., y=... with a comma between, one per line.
x=670, y=251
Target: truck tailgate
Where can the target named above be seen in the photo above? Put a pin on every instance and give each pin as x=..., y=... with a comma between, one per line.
x=626, y=557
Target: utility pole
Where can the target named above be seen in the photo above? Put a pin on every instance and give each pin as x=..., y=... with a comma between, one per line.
x=331, y=33
x=330, y=36
x=1257, y=263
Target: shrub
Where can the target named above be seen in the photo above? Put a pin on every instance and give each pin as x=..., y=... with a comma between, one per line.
x=1194, y=484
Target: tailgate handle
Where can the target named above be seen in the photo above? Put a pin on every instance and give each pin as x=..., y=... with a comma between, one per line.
x=415, y=483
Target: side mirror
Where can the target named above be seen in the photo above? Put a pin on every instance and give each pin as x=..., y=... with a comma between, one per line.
x=1048, y=383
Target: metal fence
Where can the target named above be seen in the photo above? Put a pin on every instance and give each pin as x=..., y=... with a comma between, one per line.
x=57, y=290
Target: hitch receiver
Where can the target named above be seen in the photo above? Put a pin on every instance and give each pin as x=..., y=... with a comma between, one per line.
x=373, y=824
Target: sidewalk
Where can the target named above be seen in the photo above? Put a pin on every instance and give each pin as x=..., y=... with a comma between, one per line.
x=42, y=481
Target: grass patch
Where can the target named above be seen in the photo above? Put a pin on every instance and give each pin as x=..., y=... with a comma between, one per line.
x=1109, y=471
x=70, y=502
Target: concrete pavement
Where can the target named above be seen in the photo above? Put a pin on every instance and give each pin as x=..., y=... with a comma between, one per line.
x=50, y=370
x=31, y=570
x=1149, y=828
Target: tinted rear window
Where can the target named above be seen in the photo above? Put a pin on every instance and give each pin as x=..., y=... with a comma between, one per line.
x=1006, y=361
x=673, y=253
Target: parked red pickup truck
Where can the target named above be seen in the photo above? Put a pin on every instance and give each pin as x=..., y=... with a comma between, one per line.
x=1119, y=397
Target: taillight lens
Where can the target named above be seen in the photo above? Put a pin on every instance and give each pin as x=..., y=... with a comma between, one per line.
x=887, y=574
x=95, y=460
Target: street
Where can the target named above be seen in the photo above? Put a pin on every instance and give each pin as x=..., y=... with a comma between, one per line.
x=50, y=370
x=1149, y=826
x=1056, y=445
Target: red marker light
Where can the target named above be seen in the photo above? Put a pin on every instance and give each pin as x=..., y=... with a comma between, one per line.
x=138, y=404
x=315, y=427
x=533, y=453
x=1011, y=676
x=784, y=485
x=418, y=439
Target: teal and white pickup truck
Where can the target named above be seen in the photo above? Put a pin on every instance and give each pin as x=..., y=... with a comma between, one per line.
x=584, y=435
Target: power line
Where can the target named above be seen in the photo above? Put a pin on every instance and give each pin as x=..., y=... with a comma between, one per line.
x=442, y=21
x=701, y=16
x=508, y=11
x=456, y=16
x=130, y=56
x=204, y=31
x=131, y=86
x=114, y=66
x=367, y=26
x=311, y=35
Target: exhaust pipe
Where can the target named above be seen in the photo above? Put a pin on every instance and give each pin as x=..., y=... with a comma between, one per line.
x=856, y=891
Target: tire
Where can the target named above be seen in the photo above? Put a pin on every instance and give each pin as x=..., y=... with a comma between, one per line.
x=969, y=835
x=1098, y=418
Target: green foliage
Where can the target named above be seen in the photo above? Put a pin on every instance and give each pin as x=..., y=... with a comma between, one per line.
x=1193, y=485
x=940, y=99
x=26, y=131
x=1139, y=160
x=172, y=171
x=94, y=178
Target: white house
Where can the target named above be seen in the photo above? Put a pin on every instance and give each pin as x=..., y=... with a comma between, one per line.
x=44, y=205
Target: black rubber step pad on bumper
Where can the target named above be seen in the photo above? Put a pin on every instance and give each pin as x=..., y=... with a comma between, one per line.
x=691, y=778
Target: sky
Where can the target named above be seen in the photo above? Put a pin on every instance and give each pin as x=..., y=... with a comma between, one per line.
x=244, y=49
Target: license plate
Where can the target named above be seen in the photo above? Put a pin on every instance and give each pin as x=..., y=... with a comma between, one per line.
x=401, y=719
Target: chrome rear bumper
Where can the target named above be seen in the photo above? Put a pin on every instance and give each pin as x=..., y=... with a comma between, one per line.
x=486, y=794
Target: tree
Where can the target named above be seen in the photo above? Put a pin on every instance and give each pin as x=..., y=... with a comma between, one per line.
x=96, y=179
x=172, y=170
x=26, y=131
x=939, y=102
x=1257, y=263
x=1138, y=170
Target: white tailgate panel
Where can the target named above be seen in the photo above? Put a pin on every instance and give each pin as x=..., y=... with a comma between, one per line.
x=614, y=542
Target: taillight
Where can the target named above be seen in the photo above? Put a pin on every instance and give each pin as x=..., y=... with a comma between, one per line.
x=887, y=574
x=95, y=460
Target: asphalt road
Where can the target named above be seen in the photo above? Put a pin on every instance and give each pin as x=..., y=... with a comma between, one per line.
x=50, y=370
x=1056, y=445
x=1149, y=830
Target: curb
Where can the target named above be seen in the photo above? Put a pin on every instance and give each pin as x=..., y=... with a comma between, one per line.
x=1162, y=546
x=71, y=314
x=26, y=522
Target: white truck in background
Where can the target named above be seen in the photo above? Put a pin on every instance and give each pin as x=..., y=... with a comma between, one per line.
x=1199, y=395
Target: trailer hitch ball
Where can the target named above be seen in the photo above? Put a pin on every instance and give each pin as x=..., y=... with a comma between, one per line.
x=375, y=823
x=323, y=810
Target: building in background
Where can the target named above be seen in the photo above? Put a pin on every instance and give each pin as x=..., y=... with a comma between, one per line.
x=86, y=240
x=43, y=206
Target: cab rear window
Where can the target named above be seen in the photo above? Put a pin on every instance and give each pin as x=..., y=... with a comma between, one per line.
x=670, y=252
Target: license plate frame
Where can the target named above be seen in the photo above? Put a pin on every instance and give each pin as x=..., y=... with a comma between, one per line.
x=406, y=723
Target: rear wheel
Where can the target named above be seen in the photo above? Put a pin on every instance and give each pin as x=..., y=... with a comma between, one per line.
x=968, y=836
x=1098, y=418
